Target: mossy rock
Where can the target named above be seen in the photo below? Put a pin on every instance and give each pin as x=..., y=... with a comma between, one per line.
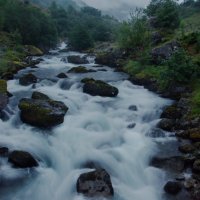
x=27, y=79
x=194, y=134
x=33, y=51
x=186, y=148
x=80, y=69
x=39, y=96
x=87, y=80
x=99, y=88
x=42, y=113
x=3, y=86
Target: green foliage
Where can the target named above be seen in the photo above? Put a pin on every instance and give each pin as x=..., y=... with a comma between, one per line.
x=134, y=34
x=181, y=68
x=166, y=13
x=80, y=38
x=34, y=26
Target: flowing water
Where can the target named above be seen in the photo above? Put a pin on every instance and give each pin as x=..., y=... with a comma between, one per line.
x=94, y=130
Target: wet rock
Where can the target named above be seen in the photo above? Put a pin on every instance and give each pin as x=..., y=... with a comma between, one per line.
x=173, y=164
x=95, y=184
x=194, y=134
x=186, y=148
x=27, y=79
x=80, y=69
x=189, y=159
x=196, y=166
x=100, y=88
x=182, y=134
x=22, y=159
x=77, y=60
x=173, y=187
x=42, y=113
x=164, y=52
x=171, y=112
x=3, y=94
x=190, y=183
x=33, y=51
x=4, y=151
x=131, y=126
x=62, y=75
x=166, y=124
x=39, y=96
x=133, y=108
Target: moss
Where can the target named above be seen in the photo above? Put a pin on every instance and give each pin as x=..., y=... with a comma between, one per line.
x=3, y=86
x=33, y=51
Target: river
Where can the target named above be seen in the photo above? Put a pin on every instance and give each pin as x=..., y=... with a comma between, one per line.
x=95, y=129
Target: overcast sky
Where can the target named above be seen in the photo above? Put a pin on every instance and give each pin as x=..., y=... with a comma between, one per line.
x=112, y=4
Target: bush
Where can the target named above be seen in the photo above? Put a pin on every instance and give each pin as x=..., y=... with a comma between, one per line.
x=181, y=68
x=135, y=33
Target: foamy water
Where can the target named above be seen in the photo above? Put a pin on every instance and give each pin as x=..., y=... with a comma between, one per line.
x=94, y=129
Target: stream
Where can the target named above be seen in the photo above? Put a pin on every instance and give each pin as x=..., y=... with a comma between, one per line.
x=95, y=129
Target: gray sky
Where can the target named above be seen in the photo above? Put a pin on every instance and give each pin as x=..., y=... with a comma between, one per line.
x=115, y=4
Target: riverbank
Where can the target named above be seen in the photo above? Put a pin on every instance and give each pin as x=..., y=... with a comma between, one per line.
x=180, y=119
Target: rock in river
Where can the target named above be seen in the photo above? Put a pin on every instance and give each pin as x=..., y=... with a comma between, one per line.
x=42, y=113
x=80, y=69
x=173, y=187
x=28, y=79
x=99, y=88
x=22, y=159
x=77, y=60
x=95, y=184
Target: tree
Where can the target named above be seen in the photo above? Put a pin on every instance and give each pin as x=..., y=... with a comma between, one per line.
x=134, y=33
x=80, y=38
x=166, y=13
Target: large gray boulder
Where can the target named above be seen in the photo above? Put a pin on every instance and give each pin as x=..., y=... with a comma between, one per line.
x=99, y=88
x=44, y=113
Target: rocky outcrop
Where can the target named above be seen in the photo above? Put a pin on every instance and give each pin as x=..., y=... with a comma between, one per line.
x=80, y=69
x=22, y=159
x=95, y=184
x=33, y=51
x=42, y=112
x=27, y=79
x=77, y=60
x=164, y=52
x=99, y=88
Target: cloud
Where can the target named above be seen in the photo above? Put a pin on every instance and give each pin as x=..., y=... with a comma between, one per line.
x=116, y=4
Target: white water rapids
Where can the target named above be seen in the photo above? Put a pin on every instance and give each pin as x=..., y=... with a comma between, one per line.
x=94, y=130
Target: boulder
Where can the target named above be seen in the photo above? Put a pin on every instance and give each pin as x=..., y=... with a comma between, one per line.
x=99, y=88
x=166, y=124
x=173, y=187
x=164, y=52
x=194, y=134
x=27, y=79
x=95, y=184
x=62, y=75
x=22, y=159
x=186, y=148
x=42, y=113
x=77, y=60
x=40, y=96
x=80, y=69
x=33, y=51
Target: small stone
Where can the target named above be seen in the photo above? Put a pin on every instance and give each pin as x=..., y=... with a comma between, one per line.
x=131, y=126
x=62, y=75
x=133, y=108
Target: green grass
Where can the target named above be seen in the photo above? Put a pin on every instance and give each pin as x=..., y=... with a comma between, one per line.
x=135, y=69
